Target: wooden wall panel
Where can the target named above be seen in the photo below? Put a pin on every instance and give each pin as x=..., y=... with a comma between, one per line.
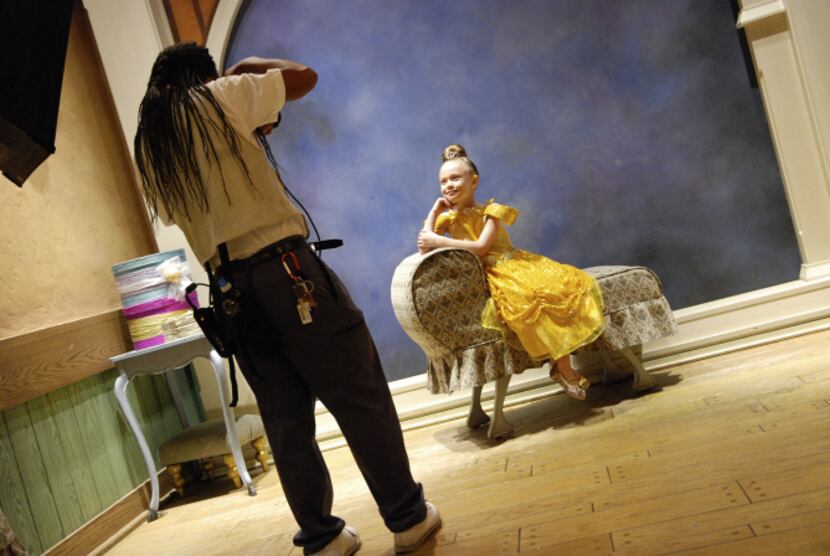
x=13, y=498
x=58, y=470
x=68, y=456
x=186, y=379
x=169, y=415
x=32, y=472
x=68, y=427
x=114, y=455
x=40, y=362
x=93, y=441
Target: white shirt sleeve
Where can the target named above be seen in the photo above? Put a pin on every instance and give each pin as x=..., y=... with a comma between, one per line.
x=253, y=99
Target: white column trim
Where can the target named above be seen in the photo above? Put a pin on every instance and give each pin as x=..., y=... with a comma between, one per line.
x=815, y=127
x=791, y=114
x=158, y=17
x=221, y=29
x=815, y=271
x=759, y=12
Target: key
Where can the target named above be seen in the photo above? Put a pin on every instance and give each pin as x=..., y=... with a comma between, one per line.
x=303, y=288
x=304, y=310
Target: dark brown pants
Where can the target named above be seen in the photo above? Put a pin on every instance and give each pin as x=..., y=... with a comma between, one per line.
x=289, y=365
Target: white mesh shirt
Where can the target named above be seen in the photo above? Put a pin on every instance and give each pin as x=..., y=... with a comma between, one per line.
x=247, y=217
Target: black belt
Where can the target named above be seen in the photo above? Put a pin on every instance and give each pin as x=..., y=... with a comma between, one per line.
x=273, y=251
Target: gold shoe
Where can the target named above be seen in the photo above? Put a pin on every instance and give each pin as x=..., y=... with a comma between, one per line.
x=577, y=391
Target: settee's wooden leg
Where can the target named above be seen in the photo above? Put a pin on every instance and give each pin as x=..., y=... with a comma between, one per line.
x=175, y=471
x=261, y=456
x=207, y=468
x=607, y=365
x=642, y=379
x=499, y=425
x=233, y=472
x=476, y=418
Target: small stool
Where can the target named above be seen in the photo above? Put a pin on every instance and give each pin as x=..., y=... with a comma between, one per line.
x=208, y=440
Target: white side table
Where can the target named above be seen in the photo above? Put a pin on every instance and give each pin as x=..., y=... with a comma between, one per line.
x=160, y=360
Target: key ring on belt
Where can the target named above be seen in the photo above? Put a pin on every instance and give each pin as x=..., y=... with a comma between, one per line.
x=293, y=274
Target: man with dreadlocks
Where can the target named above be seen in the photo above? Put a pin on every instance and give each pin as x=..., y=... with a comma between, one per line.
x=204, y=164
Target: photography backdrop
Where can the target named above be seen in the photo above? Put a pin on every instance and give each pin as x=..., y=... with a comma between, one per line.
x=624, y=132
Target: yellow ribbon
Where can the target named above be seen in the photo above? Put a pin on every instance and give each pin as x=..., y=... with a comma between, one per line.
x=148, y=327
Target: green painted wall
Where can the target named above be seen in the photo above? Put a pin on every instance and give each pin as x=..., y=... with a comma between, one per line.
x=68, y=455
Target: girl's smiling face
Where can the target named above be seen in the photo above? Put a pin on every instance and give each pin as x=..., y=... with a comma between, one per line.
x=458, y=183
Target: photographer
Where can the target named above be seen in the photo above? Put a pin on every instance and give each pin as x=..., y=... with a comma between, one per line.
x=205, y=166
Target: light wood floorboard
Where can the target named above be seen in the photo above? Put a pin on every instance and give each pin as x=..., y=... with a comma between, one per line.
x=731, y=456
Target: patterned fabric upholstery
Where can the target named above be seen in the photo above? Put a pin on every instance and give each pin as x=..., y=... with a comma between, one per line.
x=438, y=299
x=636, y=311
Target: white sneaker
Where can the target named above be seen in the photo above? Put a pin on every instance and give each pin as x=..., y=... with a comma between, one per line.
x=415, y=536
x=344, y=544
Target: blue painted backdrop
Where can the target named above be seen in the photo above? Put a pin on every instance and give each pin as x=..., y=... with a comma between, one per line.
x=625, y=132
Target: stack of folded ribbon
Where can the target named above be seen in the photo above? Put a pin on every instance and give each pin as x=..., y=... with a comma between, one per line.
x=152, y=290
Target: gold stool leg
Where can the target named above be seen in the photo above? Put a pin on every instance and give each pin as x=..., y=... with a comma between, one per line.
x=233, y=472
x=261, y=456
x=175, y=471
x=207, y=468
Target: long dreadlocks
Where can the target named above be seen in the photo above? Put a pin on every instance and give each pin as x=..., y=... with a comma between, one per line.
x=171, y=115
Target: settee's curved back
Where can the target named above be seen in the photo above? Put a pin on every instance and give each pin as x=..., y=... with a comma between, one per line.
x=438, y=299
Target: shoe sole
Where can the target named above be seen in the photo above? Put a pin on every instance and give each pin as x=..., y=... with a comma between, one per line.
x=416, y=545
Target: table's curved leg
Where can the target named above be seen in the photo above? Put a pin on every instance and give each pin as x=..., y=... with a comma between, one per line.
x=230, y=422
x=121, y=395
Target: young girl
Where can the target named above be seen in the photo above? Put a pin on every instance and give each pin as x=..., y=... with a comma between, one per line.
x=553, y=308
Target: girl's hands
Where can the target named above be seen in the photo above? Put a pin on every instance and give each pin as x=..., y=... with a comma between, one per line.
x=427, y=241
x=440, y=205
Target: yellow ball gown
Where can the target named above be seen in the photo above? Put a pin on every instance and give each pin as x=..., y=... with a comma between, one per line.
x=553, y=308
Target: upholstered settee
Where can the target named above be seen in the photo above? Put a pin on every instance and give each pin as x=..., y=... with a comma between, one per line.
x=438, y=299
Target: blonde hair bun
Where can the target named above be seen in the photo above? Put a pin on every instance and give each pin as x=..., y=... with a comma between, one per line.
x=454, y=151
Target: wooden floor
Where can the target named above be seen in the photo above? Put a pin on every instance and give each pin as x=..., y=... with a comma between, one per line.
x=732, y=457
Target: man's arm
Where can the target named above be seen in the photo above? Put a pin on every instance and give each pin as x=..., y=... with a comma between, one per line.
x=299, y=79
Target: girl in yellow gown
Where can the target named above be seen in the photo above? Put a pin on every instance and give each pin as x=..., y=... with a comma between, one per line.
x=553, y=308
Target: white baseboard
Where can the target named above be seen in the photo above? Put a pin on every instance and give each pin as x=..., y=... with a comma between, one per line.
x=814, y=271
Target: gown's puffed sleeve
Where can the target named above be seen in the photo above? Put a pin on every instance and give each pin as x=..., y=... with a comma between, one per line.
x=444, y=219
x=504, y=213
